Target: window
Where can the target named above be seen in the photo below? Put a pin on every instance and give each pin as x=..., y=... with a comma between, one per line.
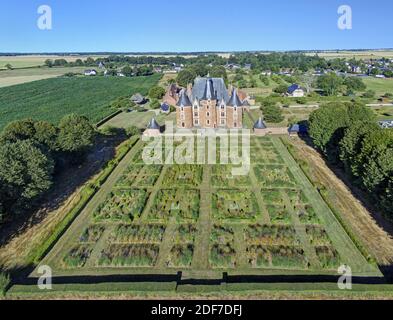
x=196, y=114
x=182, y=109
x=183, y=124
x=235, y=125
x=222, y=121
x=208, y=114
x=208, y=122
x=222, y=114
x=222, y=107
x=235, y=109
x=196, y=122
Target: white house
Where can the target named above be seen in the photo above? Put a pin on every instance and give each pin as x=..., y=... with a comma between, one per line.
x=295, y=91
x=91, y=72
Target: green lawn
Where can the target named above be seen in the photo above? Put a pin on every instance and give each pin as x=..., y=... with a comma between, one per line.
x=51, y=99
x=380, y=86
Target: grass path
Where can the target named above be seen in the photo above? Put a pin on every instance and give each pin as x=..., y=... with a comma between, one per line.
x=349, y=254
x=240, y=246
x=167, y=243
x=201, y=253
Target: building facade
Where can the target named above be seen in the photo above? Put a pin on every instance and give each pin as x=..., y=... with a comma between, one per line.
x=208, y=105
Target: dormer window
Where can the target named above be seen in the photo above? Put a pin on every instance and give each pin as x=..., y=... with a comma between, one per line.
x=182, y=109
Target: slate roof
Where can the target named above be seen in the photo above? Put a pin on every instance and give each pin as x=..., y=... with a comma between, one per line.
x=293, y=88
x=212, y=86
x=297, y=128
x=234, y=101
x=165, y=107
x=153, y=125
x=260, y=124
x=184, y=101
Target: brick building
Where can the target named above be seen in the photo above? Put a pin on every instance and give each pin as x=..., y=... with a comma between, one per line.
x=209, y=105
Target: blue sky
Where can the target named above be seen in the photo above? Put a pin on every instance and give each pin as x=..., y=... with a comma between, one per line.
x=193, y=25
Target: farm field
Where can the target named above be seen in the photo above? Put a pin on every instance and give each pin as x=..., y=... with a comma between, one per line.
x=19, y=76
x=51, y=99
x=35, y=60
x=203, y=221
x=380, y=86
x=371, y=54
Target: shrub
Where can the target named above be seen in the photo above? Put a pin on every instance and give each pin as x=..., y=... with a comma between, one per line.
x=4, y=283
x=132, y=131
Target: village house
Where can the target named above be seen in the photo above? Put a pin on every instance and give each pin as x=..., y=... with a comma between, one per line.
x=172, y=95
x=207, y=104
x=90, y=72
x=295, y=91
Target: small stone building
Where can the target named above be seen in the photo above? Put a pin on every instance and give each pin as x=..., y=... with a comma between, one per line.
x=153, y=129
x=260, y=128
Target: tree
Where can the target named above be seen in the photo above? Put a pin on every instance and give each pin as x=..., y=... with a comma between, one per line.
x=219, y=72
x=127, y=71
x=18, y=130
x=354, y=84
x=48, y=63
x=76, y=136
x=272, y=113
x=156, y=92
x=185, y=77
x=281, y=89
x=369, y=94
x=351, y=145
x=330, y=83
x=133, y=131
x=25, y=173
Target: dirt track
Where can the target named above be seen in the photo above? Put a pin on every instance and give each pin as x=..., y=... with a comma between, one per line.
x=372, y=229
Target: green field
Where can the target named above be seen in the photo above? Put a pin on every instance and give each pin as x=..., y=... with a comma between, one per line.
x=51, y=99
x=19, y=76
x=380, y=86
x=160, y=219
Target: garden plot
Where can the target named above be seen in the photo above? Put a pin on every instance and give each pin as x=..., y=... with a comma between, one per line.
x=183, y=176
x=222, y=252
x=121, y=206
x=78, y=256
x=179, y=203
x=222, y=177
x=182, y=251
x=138, y=233
x=139, y=175
x=234, y=204
x=274, y=176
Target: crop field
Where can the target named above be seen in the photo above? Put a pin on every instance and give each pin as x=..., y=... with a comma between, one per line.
x=51, y=99
x=18, y=76
x=202, y=220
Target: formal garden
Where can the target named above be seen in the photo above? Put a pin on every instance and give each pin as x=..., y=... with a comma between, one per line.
x=166, y=218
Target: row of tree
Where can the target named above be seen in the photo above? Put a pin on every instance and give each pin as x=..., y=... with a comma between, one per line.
x=348, y=135
x=31, y=152
x=188, y=75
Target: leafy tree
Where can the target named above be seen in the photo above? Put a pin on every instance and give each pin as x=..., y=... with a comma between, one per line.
x=18, y=130
x=132, y=131
x=354, y=84
x=351, y=145
x=272, y=113
x=186, y=77
x=330, y=83
x=281, y=89
x=156, y=92
x=219, y=72
x=369, y=94
x=76, y=135
x=25, y=173
x=48, y=63
x=127, y=71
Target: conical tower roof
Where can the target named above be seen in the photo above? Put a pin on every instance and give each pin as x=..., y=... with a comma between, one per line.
x=184, y=101
x=153, y=125
x=234, y=100
x=260, y=124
